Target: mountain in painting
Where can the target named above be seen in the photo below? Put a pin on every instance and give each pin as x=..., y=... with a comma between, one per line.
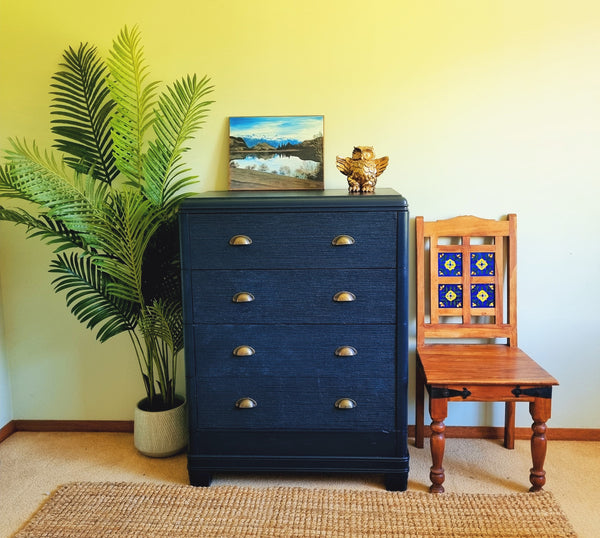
x=275, y=142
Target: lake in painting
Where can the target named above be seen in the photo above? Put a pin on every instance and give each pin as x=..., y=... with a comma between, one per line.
x=276, y=152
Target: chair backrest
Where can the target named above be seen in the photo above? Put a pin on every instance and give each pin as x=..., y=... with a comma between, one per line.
x=468, y=266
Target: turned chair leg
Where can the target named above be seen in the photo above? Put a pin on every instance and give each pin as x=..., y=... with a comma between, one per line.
x=438, y=409
x=419, y=406
x=540, y=412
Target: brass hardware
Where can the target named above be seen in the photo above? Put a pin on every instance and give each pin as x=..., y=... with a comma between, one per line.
x=346, y=351
x=345, y=403
x=240, y=240
x=243, y=297
x=245, y=403
x=243, y=351
x=344, y=297
x=342, y=240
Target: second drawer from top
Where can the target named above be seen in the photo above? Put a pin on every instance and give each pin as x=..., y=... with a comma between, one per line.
x=293, y=296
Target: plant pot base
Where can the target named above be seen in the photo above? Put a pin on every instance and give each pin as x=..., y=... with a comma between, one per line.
x=159, y=434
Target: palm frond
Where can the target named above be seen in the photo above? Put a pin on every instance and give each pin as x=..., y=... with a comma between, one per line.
x=44, y=180
x=164, y=320
x=51, y=231
x=161, y=268
x=88, y=296
x=135, y=99
x=181, y=111
x=122, y=273
x=162, y=326
x=83, y=105
x=7, y=189
x=128, y=226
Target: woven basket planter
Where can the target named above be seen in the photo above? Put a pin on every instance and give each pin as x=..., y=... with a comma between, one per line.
x=159, y=434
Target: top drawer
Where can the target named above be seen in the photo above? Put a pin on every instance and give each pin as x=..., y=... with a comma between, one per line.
x=291, y=240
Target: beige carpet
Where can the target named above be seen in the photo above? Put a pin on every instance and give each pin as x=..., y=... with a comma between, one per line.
x=91, y=509
x=35, y=464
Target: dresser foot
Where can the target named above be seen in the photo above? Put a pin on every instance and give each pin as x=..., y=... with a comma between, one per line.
x=200, y=479
x=396, y=481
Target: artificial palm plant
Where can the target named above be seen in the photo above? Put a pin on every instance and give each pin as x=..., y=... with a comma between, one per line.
x=106, y=197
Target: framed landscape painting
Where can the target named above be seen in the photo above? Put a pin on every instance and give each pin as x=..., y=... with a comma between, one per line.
x=275, y=152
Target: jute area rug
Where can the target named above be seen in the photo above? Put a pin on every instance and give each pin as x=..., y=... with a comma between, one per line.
x=154, y=510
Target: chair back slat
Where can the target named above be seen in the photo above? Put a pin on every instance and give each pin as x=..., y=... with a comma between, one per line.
x=466, y=279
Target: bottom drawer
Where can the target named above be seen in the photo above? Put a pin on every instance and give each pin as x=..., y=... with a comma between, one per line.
x=296, y=403
x=308, y=443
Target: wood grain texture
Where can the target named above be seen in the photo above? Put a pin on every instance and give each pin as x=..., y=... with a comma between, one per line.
x=449, y=308
x=476, y=364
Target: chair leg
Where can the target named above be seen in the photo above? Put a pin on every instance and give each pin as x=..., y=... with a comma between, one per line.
x=419, y=406
x=540, y=412
x=509, y=425
x=438, y=408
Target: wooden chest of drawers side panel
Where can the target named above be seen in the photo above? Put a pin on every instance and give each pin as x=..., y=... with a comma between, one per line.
x=402, y=331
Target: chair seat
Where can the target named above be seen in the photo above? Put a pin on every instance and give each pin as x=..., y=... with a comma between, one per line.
x=480, y=364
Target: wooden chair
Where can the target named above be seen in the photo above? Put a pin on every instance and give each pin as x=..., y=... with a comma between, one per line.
x=469, y=266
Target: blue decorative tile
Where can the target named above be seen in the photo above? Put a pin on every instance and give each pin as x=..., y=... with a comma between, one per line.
x=482, y=264
x=450, y=264
x=450, y=295
x=483, y=296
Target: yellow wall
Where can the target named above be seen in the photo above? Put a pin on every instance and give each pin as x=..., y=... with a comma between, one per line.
x=483, y=106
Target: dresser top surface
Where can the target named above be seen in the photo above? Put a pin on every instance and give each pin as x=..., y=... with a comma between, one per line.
x=328, y=198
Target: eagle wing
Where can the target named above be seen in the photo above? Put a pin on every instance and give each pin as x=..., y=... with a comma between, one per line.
x=344, y=165
x=381, y=164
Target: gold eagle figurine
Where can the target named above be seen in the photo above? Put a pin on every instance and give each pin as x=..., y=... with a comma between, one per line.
x=362, y=168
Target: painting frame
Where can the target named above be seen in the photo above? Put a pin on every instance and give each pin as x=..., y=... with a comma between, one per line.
x=274, y=153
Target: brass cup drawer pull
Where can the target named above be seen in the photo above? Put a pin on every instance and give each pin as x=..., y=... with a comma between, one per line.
x=240, y=241
x=344, y=297
x=243, y=297
x=246, y=403
x=345, y=403
x=243, y=351
x=342, y=240
x=346, y=351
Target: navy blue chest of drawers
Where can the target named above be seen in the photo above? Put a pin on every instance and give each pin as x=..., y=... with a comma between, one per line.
x=296, y=332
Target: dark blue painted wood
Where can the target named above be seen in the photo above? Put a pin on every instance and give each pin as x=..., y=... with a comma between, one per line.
x=293, y=240
x=327, y=200
x=299, y=402
x=293, y=271
x=310, y=464
x=285, y=442
x=294, y=296
x=290, y=350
